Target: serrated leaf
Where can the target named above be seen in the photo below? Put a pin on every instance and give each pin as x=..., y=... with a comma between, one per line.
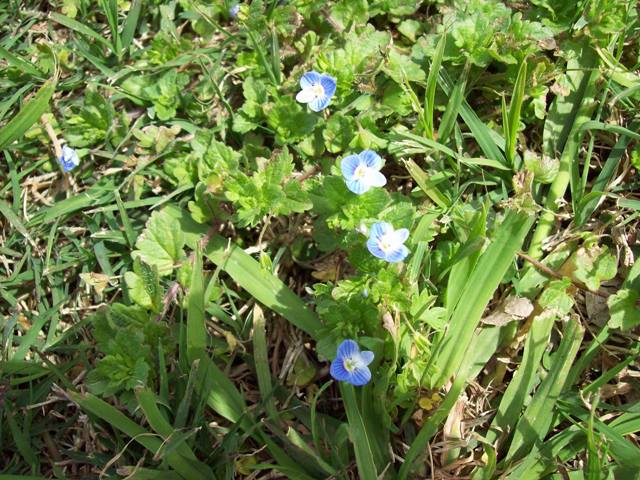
x=160, y=243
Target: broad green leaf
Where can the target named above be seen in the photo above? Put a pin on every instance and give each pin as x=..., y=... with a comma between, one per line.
x=161, y=242
x=624, y=310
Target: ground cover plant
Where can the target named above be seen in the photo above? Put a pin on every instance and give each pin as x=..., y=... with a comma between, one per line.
x=350, y=239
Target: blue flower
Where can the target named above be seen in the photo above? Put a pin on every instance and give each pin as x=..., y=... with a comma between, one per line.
x=317, y=90
x=233, y=11
x=69, y=159
x=362, y=171
x=386, y=243
x=351, y=365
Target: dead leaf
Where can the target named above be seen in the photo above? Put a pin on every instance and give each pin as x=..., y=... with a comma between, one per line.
x=512, y=308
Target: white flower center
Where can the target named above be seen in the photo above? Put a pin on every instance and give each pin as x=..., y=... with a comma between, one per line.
x=318, y=90
x=360, y=172
x=351, y=364
x=386, y=242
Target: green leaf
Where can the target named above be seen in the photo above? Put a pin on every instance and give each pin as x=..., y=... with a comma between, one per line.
x=196, y=329
x=144, y=286
x=401, y=68
x=481, y=285
x=537, y=419
x=116, y=419
x=338, y=133
x=595, y=264
x=290, y=121
x=161, y=242
x=624, y=310
x=361, y=442
x=555, y=297
x=28, y=115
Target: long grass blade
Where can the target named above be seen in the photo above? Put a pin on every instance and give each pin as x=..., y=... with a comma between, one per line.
x=28, y=115
x=481, y=286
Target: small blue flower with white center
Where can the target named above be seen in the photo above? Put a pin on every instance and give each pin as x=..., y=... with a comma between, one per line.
x=317, y=90
x=233, y=11
x=69, y=159
x=386, y=243
x=362, y=171
x=351, y=365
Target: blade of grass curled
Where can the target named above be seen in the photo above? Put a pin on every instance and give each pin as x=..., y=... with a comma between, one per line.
x=588, y=204
x=261, y=284
x=130, y=25
x=28, y=115
x=196, y=330
x=456, y=99
x=537, y=418
x=361, y=443
x=432, y=83
x=483, y=281
x=426, y=185
x=513, y=117
x=520, y=386
x=20, y=64
x=261, y=363
x=576, y=110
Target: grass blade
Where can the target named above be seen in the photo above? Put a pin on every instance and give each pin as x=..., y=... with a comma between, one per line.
x=130, y=25
x=196, y=329
x=482, y=283
x=116, y=419
x=261, y=362
x=361, y=442
x=28, y=115
x=513, y=118
x=80, y=28
x=564, y=129
x=432, y=83
x=536, y=420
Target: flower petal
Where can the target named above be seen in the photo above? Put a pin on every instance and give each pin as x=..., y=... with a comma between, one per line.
x=400, y=235
x=347, y=349
x=366, y=357
x=329, y=85
x=319, y=103
x=348, y=166
x=375, y=250
x=378, y=229
x=397, y=255
x=357, y=186
x=374, y=178
x=360, y=376
x=305, y=95
x=372, y=159
x=338, y=371
x=309, y=79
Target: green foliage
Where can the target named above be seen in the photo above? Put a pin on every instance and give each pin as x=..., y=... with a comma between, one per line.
x=269, y=191
x=94, y=120
x=594, y=265
x=160, y=244
x=200, y=268
x=127, y=337
x=624, y=310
